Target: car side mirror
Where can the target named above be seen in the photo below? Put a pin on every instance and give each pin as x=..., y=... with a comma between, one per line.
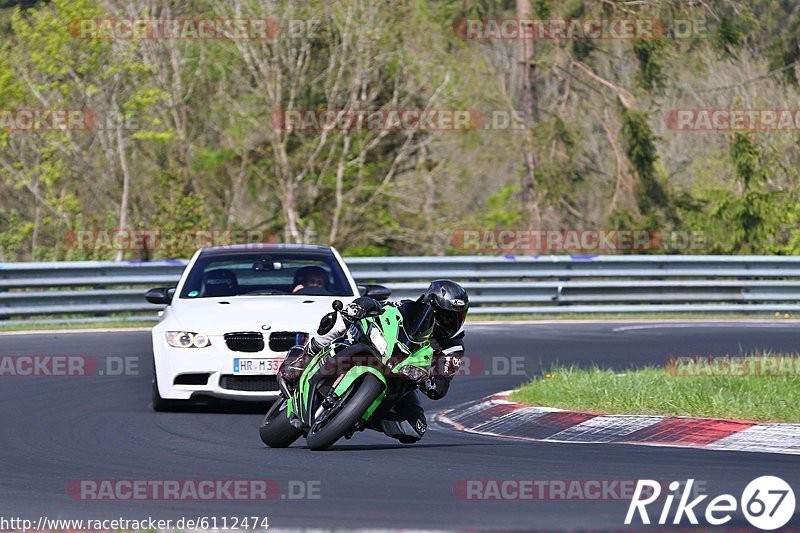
x=376, y=292
x=161, y=295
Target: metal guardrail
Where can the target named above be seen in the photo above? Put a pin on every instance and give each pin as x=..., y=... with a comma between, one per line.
x=503, y=285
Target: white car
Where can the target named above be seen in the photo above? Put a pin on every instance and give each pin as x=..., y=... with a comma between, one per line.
x=235, y=313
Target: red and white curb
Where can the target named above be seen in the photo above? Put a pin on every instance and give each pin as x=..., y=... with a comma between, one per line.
x=499, y=417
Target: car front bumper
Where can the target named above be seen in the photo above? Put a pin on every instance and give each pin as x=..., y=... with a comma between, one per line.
x=189, y=373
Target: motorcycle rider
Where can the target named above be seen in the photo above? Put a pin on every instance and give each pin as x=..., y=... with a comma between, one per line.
x=406, y=422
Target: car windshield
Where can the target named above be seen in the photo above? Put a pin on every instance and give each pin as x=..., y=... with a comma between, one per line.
x=265, y=274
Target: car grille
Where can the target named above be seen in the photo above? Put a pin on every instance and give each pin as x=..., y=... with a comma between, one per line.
x=283, y=341
x=245, y=341
x=249, y=383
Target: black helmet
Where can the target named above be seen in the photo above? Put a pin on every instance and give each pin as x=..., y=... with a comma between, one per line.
x=450, y=304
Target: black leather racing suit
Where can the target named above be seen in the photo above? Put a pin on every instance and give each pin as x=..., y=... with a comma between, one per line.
x=406, y=422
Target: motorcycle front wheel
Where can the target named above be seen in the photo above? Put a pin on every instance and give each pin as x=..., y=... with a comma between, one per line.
x=325, y=433
x=275, y=429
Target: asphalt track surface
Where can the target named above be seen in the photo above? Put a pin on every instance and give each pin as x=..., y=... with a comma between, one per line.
x=57, y=430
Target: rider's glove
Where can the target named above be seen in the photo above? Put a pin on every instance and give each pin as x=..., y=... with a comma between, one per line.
x=447, y=361
x=449, y=364
x=360, y=308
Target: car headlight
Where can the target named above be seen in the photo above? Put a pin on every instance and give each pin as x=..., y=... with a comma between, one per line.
x=187, y=339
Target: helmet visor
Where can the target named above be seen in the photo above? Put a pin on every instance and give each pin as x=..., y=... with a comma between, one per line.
x=450, y=321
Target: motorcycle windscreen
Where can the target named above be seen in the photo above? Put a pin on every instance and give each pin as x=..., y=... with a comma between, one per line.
x=418, y=320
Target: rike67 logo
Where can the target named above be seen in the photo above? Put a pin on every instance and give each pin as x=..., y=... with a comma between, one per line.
x=767, y=503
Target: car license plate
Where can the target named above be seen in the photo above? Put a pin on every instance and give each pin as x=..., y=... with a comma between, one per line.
x=256, y=366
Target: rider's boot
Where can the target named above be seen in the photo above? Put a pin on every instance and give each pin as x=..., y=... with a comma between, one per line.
x=406, y=422
x=291, y=369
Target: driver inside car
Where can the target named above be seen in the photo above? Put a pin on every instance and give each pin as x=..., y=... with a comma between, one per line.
x=406, y=422
x=310, y=276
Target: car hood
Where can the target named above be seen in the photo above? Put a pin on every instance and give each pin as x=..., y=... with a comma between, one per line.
x=253, y=313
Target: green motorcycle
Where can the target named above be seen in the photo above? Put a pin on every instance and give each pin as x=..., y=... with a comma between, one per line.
x=356, y=380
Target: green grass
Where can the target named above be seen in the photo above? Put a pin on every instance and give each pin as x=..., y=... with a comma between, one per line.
x=655, y=391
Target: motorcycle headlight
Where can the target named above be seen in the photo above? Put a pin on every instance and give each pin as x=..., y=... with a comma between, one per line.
x=378, y=341
x=187, y=339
